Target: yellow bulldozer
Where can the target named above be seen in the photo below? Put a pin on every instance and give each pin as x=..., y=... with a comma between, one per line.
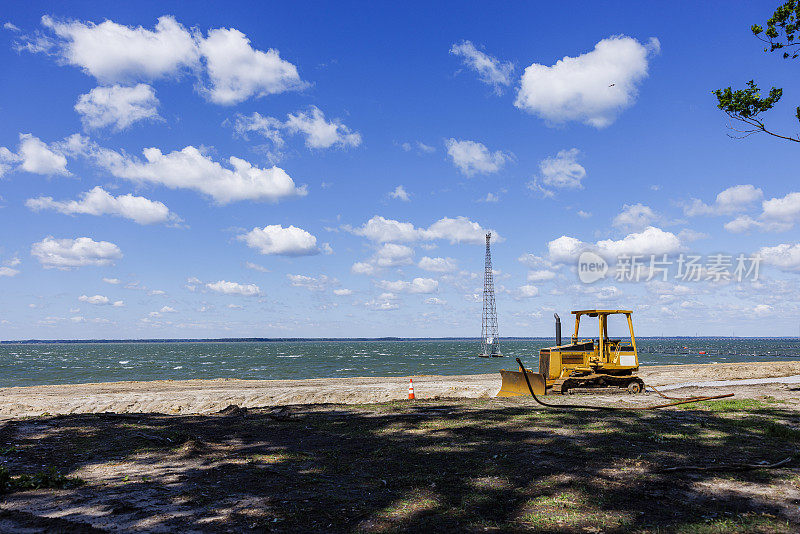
x=599, y=362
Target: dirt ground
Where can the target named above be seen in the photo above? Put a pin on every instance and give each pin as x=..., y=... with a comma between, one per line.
x=449, y=464
x=208, y=396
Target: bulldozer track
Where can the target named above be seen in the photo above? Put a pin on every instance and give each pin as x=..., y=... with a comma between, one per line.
x=615, y=408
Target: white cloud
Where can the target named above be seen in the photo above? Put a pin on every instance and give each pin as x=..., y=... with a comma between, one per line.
x=275, y=239
x=778, y=215
x=117, y=106
x=393, y=255
x=234, y=288
x=237, y=71
x=10, y=26
x=455, y=230
x=321, y=133
x=435, y=301
x=460, y=230
x=527, y=291
x=97, y=300
x=34, y=156
x=473, y=158
x=490, y=197
x=419, y=146
x=400, y=193
x=417, y=285
x=190, y=169
x=256, y=267
x=784, y=256
x=732, y=200
x=564, y=249
x=385, y=302
x=113, y=52
x=343, y=292
x=491, y=70
x=540, y=276
x=651, y=240
x=8, y=271
x=361, y=267
x=763, y=310
x=592, y=88
x=67, y=253
x=381, y=230
x=634, y=217
x=563, y=170
x=437, y=265
x=167, y=309
x=99, y=202
x=319, y=283
x=113, y=281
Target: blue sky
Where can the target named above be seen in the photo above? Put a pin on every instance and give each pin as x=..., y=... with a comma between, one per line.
x=372, y=147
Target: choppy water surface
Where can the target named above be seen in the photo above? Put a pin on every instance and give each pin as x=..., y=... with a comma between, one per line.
x=68, y=363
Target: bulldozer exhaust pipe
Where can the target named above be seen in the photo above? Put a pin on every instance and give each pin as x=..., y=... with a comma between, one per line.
x=558, y=329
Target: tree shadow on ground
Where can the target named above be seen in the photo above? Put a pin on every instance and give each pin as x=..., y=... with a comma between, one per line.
x=448, y=465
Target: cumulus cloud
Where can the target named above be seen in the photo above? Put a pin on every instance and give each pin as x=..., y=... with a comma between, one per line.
x=68, y=253
x=100, y=202
x=732, y=200
x=437, y=265
x=527, y=291
x=234, y=288
x=318, y=131
x=230, y=68
x=634, y=217
x=455, y=230
x=100, y=300
x=8, y=271
x=35, y=156
x=491, y=70
x=400, y=193
x=784, y=256
x=114, y=53
x=473, y=158
x=778, y=215
x=393, y=255
x=417, y=285
x=361, y=267
x=651, y=240
x=561, y=171
x=343, y=292
x=312, y=283
x=540, y=275
x=117, y=106
x=191, y=169
x=275, y=239
x=236, y=71
x=592, y=88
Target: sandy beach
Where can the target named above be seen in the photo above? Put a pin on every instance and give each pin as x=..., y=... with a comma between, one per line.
x=208, y=396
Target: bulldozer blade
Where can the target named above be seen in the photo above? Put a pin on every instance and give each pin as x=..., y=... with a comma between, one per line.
x=514, y=384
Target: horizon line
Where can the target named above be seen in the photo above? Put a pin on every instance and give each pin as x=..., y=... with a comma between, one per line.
x=333, y=339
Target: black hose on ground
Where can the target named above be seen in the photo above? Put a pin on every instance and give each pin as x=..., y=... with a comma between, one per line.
x=611, y=408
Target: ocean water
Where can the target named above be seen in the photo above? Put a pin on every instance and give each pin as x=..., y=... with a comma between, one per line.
x=70, y=363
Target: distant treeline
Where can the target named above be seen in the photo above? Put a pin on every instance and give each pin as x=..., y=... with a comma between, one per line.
x=349, y=339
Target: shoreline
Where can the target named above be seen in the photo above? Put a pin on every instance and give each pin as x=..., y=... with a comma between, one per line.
x=203, y=396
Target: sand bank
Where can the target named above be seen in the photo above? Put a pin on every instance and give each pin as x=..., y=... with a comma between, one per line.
x=206, y=396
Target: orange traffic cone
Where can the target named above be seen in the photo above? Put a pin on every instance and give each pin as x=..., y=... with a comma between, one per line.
x=410, y=389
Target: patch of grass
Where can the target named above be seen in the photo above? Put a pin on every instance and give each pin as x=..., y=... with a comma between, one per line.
x=727, y=405
x=49, y=478
x=742, y=523
x=281, y=456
